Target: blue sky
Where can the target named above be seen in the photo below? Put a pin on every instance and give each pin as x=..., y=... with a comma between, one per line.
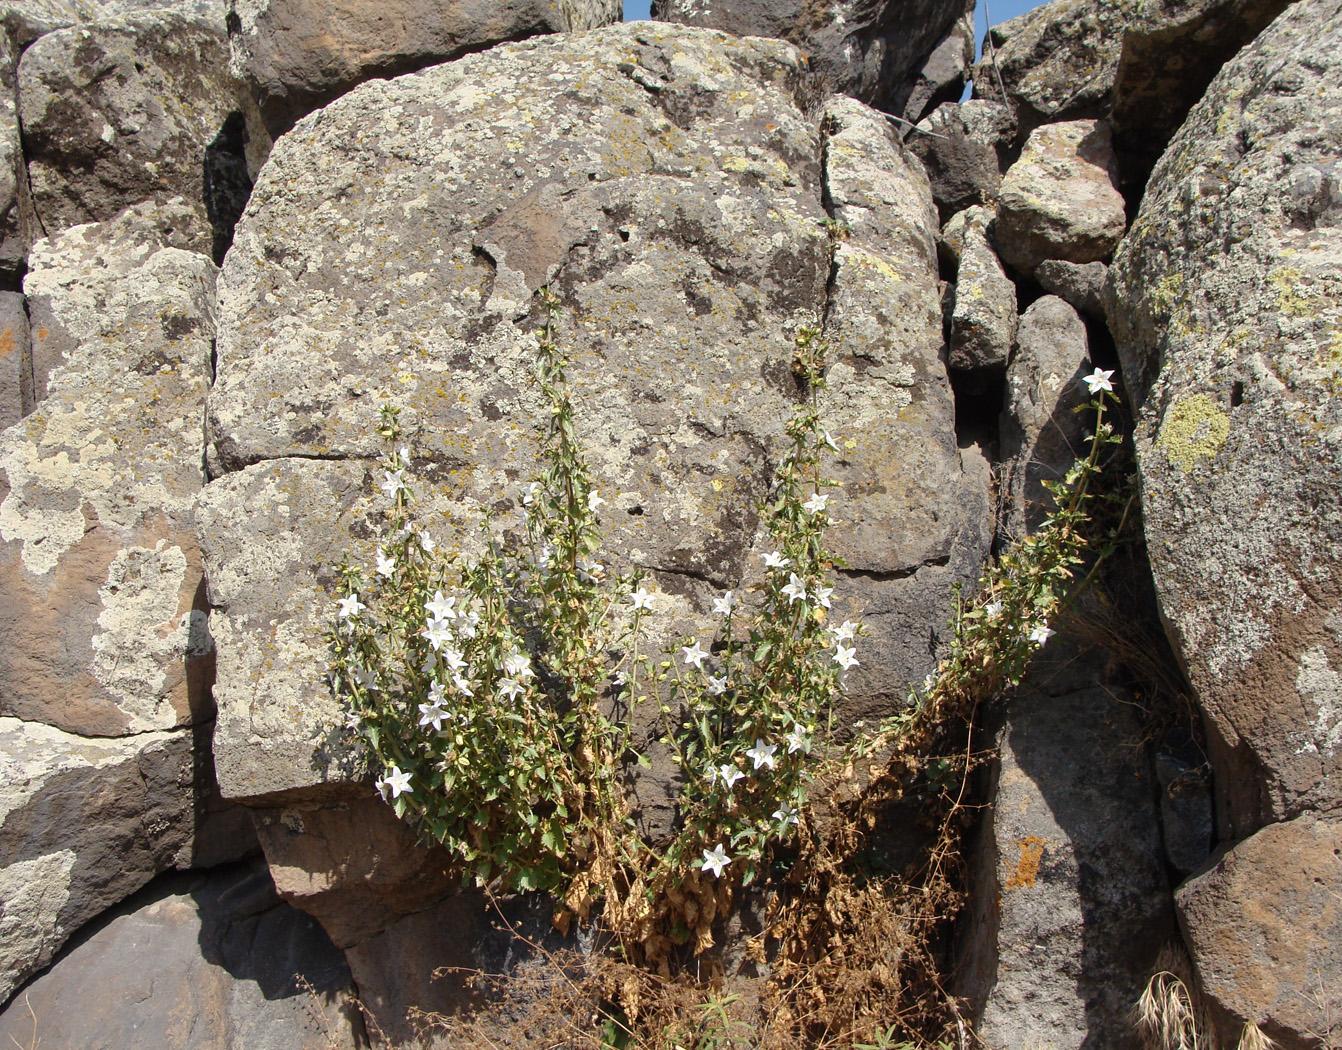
x=1001, y=11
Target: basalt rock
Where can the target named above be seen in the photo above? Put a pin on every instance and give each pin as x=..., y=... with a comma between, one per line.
x=298, y=55
x=1225, y=301
x=959, y=145
x=16, y=369
x=983, y=315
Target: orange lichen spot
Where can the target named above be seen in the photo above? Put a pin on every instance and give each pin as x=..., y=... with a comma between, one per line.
x=1027, y=867
x=42, y=332
x=6, y=342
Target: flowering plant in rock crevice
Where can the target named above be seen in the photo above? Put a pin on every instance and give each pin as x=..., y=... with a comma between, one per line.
x=495, y=696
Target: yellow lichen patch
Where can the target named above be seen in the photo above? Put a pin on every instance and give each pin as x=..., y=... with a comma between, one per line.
x=1027, y=866
x=1287, y=281
x=1194, y=429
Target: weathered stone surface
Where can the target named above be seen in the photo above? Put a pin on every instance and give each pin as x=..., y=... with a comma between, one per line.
x=872, y=51
x=983, y=315
x=132, y=109
x=1170, y=51
x=1060, y=199
x=16, y=370
x=1041, y=435
x=1187, y=811
x=1226, y=304
x=101, y=603
x=958, y=145
x=1070, y=902
x=83, y=824
x=1081, y=284
x=1057, y=61
x=197, y=962
x=1264, y=928
x=297, y=55
x=13, y=246
x=941, y=78
x=961, y=225
x=679, y=293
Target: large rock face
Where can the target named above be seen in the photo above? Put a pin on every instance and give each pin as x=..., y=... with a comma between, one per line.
x=206, y=962
x=297, y=55
x=101, y=601
x=1226, y=303
x=876, y=51
x=664, y=180
x=131, y=109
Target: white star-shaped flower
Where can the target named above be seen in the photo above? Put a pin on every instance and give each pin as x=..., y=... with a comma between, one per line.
x=717, y=686
x=467, y=624
x=785, y=815
x=693, y=654
x=437, y=634
x=518, y=665
x=463, y=686
x=1099, y=380
x=454, y=659
x=795, y=589
x=715, y=860
x=821, y=595
x=349, y=607
x=641, y=599
x=845, y=632
x=590, y=571
x=729, y=775
x=440, y=608
x=437, y=693
x=798, y=740
x=392, y=483
x=432, y=714
x=594, y=501
x=815, y=504
x=530, y=493
x=827, y=439
x=993, y=609
x=426, y=541
x=396, y=782
x=723, y=606
x=510, y=688
x=353, y=720
x=1041, y=634
x=930, y=683
x=843, y=656
x=404, y=454
x=762, y=754
x=775, y=560
x=386, y=564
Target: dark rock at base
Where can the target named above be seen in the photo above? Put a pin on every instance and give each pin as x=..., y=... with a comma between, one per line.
x=959, y=145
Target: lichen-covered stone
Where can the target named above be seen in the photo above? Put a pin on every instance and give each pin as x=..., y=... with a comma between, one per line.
x=958, y=145
x=872, y=51
x=136, y=108
x=1264, y=928
x=297, y=55
x=1060, y=199
x=983, y=315
x=1041, y=434
x=959, y=227
x=83, y=824
x=1057, y=61
x=208, y=961
x=1226, y=305
x=1070, y=906
x=101, y=602
x=665, y=181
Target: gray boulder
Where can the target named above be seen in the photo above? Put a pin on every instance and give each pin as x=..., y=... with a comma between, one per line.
x=1041, y=434
x=983, y=314
x=1264, y=928
x=1060, y=199
x=1069, y=902
x=1225, y=302
x=84, y=823
x=958, y=229
x=942, y=77
x=1081, y=284
x=130, y=109
x=198, y=962
x=959, y=145
x=875, y=51
x=298, y=55
x=679, y=294
x=101, y=597
x=1057, y=61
